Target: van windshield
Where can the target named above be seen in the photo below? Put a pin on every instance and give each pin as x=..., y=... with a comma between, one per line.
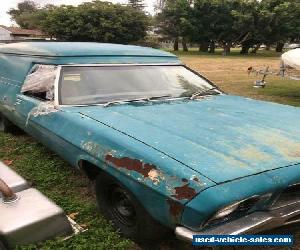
x=84, y=85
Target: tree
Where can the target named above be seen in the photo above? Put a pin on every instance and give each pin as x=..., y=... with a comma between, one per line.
x=234, y=23
x=200, y=26
x=174, y=21
x=287, y=22
x=21, y=15
x=284, y=22
x=136, y=4
x=226, y=22
x=259, y=32
x=96, y=21
x=92, y=21
x=231, y=22
x=204, y=22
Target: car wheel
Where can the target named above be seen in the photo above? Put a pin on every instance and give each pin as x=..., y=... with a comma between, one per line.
x=7, y=126
x=119, y=205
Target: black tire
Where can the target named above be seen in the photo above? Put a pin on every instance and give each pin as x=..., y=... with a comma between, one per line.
x=126, y=213
x=7, y=126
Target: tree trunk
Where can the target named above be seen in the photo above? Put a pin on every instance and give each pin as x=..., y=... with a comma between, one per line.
x=256, y=48
x=184, y=45
x=279, y=47
x=268, y=47
x=204, y=47
x=175, y=45
x=245, y=49
x=226, y=49
x=212, y=47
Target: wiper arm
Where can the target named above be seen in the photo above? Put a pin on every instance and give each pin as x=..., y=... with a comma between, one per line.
x=136, y=100
x=123, y=101
x=157, y=97
x=204, y=92
x=111, y=103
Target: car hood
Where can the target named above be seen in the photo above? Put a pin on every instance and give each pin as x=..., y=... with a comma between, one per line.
x=222, y=137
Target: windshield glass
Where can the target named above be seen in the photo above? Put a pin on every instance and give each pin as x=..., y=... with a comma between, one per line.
x=83, y=85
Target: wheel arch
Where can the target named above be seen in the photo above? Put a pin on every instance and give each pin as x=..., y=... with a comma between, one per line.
x=162, y=211
x=90, y=169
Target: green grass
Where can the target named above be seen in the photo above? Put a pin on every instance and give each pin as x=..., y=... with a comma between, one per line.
x=281, y=91
x=230, y=74
x=68, y=188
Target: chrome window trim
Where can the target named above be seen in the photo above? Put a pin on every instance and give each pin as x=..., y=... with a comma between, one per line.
x=56, y=83
x=57, y=80
x=121, y=64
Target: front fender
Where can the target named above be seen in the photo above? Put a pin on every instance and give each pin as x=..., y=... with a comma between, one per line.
x=161, y=184
x=208, y=202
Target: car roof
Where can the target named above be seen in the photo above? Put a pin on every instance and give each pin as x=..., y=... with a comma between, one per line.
x=74, y=49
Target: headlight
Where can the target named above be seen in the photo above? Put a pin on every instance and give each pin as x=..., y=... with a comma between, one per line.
x=226, y=210
x=233, y=209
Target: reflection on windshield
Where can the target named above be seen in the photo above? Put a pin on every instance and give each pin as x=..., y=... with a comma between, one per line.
x=83, y=85
x=190, y=87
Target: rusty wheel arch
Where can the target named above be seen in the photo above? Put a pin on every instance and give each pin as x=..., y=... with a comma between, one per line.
x=89, y=169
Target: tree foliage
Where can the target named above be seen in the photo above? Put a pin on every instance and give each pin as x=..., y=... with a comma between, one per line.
x=22, y=14
x=231, y=22
x=226, y=23
x=91, y=21
x=174, y=21
x=136, y=4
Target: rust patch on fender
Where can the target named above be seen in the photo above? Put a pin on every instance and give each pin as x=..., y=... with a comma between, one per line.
x=184, y=192
x=131, y=164
x=175, y=208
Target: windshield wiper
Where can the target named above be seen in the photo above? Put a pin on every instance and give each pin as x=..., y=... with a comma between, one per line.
x=157, y=97
x=204, y=92
x=136, y=100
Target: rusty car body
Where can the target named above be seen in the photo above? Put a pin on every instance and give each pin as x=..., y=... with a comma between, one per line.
x=202, y=163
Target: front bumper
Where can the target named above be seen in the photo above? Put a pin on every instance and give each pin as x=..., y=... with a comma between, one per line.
x=252, y=223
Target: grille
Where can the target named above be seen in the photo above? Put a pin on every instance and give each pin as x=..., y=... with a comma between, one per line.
x=293, y=220
x=288, y=196
x=295, y=188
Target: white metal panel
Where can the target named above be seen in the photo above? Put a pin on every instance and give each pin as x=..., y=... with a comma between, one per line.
x=31, y=219
x=292, y=58
x=5, y=34
x=12, y=179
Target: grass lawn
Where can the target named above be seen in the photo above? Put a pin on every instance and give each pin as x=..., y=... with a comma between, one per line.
x=69, y=189
x=230, y=74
